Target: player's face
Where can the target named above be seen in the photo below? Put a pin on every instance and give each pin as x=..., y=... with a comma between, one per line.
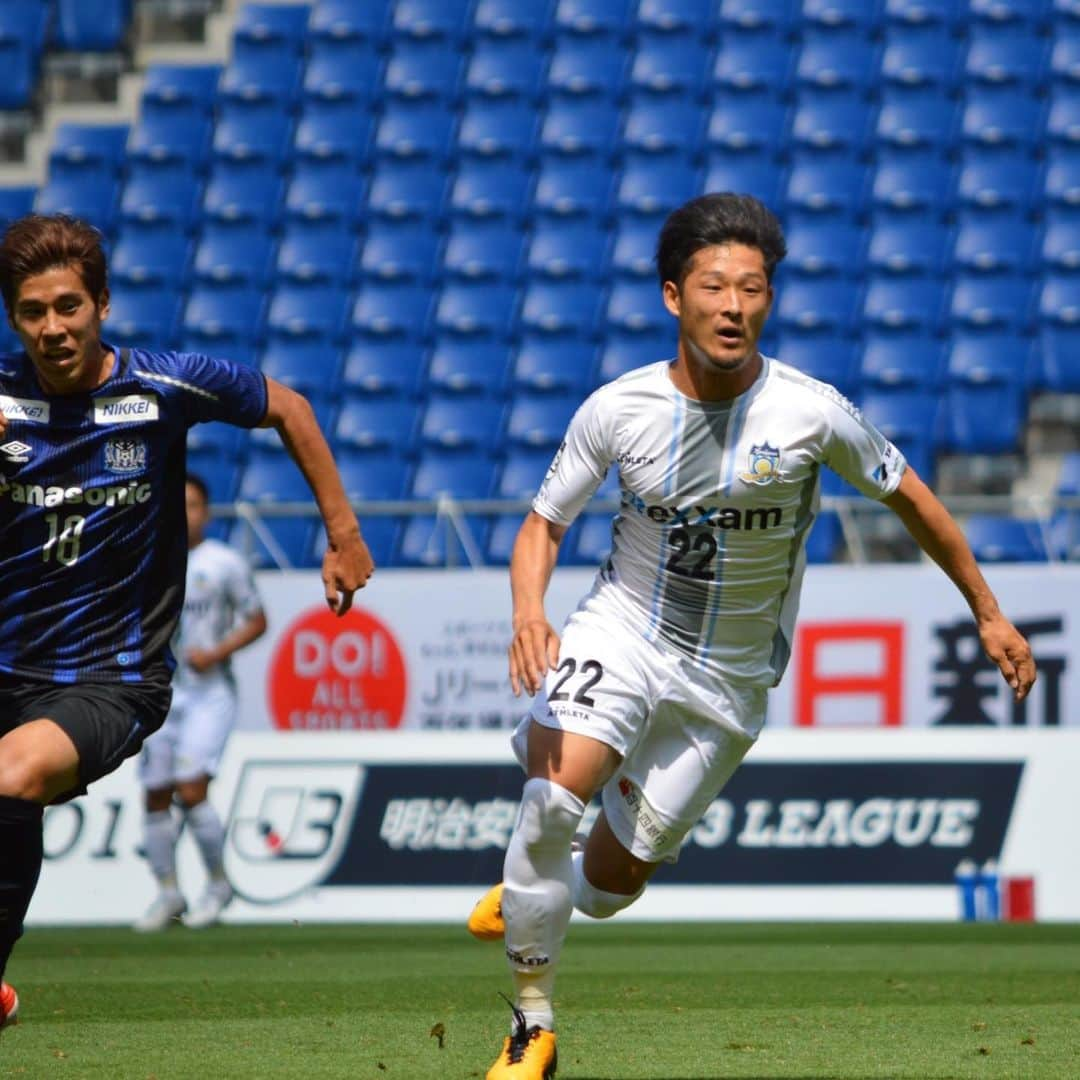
x=59, y=325
x=721, y=306
x=198, y=514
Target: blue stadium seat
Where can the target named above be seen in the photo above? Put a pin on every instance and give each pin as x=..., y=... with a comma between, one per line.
x=1063, y=118
x=458, y=422
x=1002, y=118
x=908, y=359
x=244, y=194
x=377, y=423
x=415, y=130
x=997, y=538
x=24, y=24
x=994, y=245
x=467, y=367
x=387, y=368
x=662, y=125
x=1059, y=300
x=476, y=308
x=1059, y=358
x=753, y=64
x=841, y=15
x=567, y=249
x=143, y=318
x=308, y=313
x=154, y=196
x=182, y=138
x=252, y=133
x=672, y=19
x=88, y=148
x=331, y=195
x=575, y=127
x=463, y=474
x=837, y=60
x=392, y=309
x=400, y=251
x=1065, y=59
x=340, y=72
x=915, y=120
x=181, y=86
x=820, y=306
x=824, y=186
x=921, y=59
x=830, y=359
x=156, y=258
x=222, y=478
x=908, y=247
x=546, y=365
x=501, y=69
x=497, y=128
x=333, y=131
x=482, y=249
x=742, y=172
x=422, y=69
x=490, y=189
x=406, y=189
x=777, y=16
x=824, y=248
x=996, y=182
x=669, y=65
x=832, y=123
x=656, y=185
x=98, y=27
x=271, y=26
x=992, y=303
x=1011, y=14
x=625, y=352
x=234, y=255
x=226, y=441
x=1012, y=57
x=348, y=22
x=560, y=307
x=370, y=476
x=600, y=18
x=633, y=253
x=426, y=20
x=293, y=541
x=522, y=472
x=984, y=419
x=254, y=78
x=894, y=303
x=501, y=537
x=925, y=13
x=217, y=318
x=91, y=198
x=539, y=420
x=431, y=541
x=912, y=185
x=636, y=307
x=747, y=126
x=510, y=19
x=982, y=359
x=21, y=61
x=309, y=256
x=825, y=539
x=15, y=202
x=1061, y=243
x=573, y=187
x=308, y=366
x=910, y=419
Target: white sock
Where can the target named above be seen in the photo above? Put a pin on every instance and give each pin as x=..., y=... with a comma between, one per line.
x=590, y=900
x=209, y=835
x=159, y=841
x=536, y=899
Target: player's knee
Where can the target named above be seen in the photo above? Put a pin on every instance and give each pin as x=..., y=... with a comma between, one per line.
x=599, y=903
x=158, y=799
x=192, y=792
x=23, y=776
x=549, y=815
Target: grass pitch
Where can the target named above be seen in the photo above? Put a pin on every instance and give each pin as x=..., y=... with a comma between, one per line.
x=636, y=1002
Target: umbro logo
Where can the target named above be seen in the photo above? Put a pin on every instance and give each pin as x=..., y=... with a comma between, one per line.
x=16, y=451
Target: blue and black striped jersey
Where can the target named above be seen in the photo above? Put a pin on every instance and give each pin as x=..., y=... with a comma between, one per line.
x=93, y=535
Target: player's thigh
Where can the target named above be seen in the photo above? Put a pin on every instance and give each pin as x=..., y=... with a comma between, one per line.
x=209, y=715
x=694, y=742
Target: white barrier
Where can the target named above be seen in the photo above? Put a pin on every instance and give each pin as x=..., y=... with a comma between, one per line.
x=413, y=826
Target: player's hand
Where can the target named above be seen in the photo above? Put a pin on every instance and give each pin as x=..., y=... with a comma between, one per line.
x=346, y=567
x=1008, y=648
x=200, y=660
x=534, y=650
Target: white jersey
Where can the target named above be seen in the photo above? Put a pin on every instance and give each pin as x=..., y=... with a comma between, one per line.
x=219, y=592
x=717, y=499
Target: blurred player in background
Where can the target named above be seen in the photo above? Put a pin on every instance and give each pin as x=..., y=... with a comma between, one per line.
x=222, y=613
x=92, y=532
x=657, y=689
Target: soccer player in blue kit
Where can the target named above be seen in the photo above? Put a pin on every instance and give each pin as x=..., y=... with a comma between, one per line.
x=93, y=540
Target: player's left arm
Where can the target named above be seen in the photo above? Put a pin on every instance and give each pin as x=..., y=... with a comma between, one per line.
x=347, y=564
x=937, y=533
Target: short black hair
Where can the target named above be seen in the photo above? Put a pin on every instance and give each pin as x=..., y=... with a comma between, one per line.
x=717, y=218
x=199, y=484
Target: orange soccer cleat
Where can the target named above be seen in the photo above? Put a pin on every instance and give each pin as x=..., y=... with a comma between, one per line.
x=486, y=921
x=9, y=1005
x=527, y=1054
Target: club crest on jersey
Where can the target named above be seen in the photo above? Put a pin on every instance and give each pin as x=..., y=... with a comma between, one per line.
x=15, y=451
x=124, y=455
x=764, y=465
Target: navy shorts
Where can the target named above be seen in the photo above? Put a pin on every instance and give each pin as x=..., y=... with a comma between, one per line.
x=107, y=722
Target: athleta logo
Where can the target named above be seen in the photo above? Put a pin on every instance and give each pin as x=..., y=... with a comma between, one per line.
x=713, y=517
x=132, y=409
x=764, y=465
x=107, y=495
x=26, y=409
x=16, y=451
x=626, y=461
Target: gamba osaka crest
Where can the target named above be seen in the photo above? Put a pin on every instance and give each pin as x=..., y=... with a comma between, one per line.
x=764, y=465
x=124, y=454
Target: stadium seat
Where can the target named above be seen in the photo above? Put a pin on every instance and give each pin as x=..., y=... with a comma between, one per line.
x=458, y=422
x=998, y=303
x=343, y=72
x=476, y=309
x=998, y=182
x=88, y=148
x=389, y=309
x=222, y=478
x=242, y=195
x=774, y=16
x=830, y=359
x=560, y=307
x=546, y=365
x=415, y=130
x=522, y=472
x=482, y=249
x=142, y=318
x=584, y=67
x=925, y=13
x=510, y=19
x=252, y=133
x=271, y=27
x=921, y=59
x=910, y=185
x=1061, y=243
x=462, y=474
x=1059, y=358
x=308, y=366
x=1014, y=57
x=896, y=304
x=903, y=247
x=967, y=407
x=980, y=359
x=824, y=249
x=841, y=15
x=158, y=196
x=636, y=307
x=910, y=359
x=290, y=536
x=997, y=538
x=594, y=18
x=1063, y=118
x=625, y=352
x=633, y=252
x=573, y=187
x=662, y=125
x=825, y=539
x=217, y=318
x=308, y=313
x=826, y=306
x=253, y=78
x=371, y=476
x=741, y=172
x=994, y=245
x=1002, y=118
x=428, y=20
x=539, y=420
x=506, y=69
x=747, y=125
x=573, y=127
x=234, y=255
x=655, y=185
x=153, y=258
x=346, y=23
x=310, y=256
x=406, y=189
x=181, y=86
x=182, y=138
x=400, y=251
x=428, y=540
x=331, y=195
x=567, y=249
x=497, y=128
x=501, y=536
x=831, y=123
x=389, y=368
x=672, y=19
x=669, y=65
x=422, y=69
x=910, y=418
x=825, y=186
x=835, y=60
x=1059, y=300
x=1065, y=59
x=467, y=367
x=915, y=120
x=377, y=423
x=490, y=189
x=227, y=442
x=333, y=131
x=99, y=27
x=753, y=64
x=1010, y=14
x=15, y=202
x=92, y=199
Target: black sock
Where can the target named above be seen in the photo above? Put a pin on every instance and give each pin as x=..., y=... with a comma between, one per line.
x=20, y=864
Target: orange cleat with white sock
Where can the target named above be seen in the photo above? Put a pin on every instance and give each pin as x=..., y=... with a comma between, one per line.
x=486, y=921
x=527, y=1054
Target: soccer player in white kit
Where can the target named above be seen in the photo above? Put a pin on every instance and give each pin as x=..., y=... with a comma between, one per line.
x=222, y=614
x=657, y=688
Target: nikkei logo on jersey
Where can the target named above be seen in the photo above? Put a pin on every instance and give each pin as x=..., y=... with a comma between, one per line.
x=124, y=455
x=129, y=409
x=16, y=452
x=763, y=465
x=26, y=409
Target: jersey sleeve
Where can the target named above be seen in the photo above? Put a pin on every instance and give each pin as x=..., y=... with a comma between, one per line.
x=579, y=466
x=219, y=390
x=858, y=452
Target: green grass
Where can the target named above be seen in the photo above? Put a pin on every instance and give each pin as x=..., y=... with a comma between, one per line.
x=687, y=1002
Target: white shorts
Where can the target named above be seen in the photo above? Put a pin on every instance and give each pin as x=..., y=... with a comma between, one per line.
x=191, y=741
x=681, y=736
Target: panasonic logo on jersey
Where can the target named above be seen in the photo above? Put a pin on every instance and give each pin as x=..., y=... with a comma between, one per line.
x=130, y=409
x=712, y=517
x=106, y=495
x=26, y=409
